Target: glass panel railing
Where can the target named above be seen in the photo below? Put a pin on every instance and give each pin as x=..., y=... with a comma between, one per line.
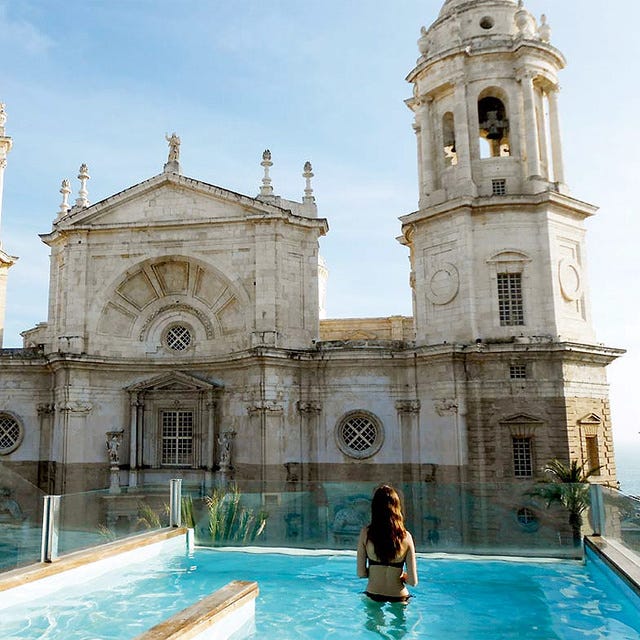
x=20, y=520
x=496, y=518
x=95, y=517
x=622, y=518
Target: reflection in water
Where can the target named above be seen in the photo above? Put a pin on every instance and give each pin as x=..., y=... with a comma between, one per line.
x=386, y=619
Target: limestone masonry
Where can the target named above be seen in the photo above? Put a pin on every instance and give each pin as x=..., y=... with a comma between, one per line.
x=184, y=337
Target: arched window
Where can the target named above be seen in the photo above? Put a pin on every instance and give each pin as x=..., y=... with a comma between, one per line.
x=449, y=139
x=493, y=127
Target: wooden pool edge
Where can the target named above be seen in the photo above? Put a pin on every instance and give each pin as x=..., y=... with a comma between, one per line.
x=218, y=615
x=618, y=558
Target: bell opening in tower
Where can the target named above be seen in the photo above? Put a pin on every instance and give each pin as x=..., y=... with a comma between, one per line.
x=493, y=128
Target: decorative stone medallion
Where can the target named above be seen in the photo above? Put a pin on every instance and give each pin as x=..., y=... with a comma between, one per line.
x=570, y=275
x=443, y=284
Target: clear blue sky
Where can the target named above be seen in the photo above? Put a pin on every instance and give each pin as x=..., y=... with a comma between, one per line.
x=101, y=82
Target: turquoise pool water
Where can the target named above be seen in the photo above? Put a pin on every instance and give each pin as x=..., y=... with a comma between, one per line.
x=319, y=597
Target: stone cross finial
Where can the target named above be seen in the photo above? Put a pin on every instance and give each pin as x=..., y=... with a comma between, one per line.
x=307, y=175
x=65, y=190
x=266, y=189
x=83, y=176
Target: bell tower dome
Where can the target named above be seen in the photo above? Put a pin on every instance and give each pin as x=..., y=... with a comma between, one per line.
x=497, y=245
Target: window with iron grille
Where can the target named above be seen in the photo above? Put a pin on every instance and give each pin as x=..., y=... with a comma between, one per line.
x=510, y=303
x=499, y=187
x=10, y=433
x=178, y=338
x=359, y=434
x=518, y=371
x=522, y=458
x=177, y=437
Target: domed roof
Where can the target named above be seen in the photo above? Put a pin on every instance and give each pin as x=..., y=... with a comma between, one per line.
x=451, y=6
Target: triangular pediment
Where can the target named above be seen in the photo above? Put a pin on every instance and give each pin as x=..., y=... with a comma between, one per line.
x=521, y=418
x=167, y=198
x=590, y=418
x=174, y=381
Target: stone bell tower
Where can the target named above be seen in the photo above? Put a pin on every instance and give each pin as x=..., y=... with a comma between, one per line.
x=6, y=261
x=497, y=245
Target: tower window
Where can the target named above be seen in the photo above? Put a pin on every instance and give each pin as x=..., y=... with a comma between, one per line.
x=177, y=438
x=593, y=454
x=499, y=187
x=518, y=371
x=510, y=303
x=493, y=128
x=522, y=458
x=449, y=139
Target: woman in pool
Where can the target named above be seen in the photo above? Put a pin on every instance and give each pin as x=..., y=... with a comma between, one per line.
x=384, y=548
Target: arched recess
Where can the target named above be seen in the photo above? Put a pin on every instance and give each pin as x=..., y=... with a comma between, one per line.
x=169, y=289
x=493, y=123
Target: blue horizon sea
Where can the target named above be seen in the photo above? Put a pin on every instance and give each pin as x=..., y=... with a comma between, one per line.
x=628, y=467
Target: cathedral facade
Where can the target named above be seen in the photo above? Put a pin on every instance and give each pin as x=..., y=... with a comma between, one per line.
x=184, y=335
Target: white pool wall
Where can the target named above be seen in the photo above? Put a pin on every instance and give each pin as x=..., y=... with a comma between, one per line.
x=23, y=585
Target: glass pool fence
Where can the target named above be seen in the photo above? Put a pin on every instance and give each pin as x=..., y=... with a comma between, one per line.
x=523, y=519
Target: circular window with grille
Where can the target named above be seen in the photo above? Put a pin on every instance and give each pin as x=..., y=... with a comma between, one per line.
x=359, y=434
x=178, y=337
x=10, y=433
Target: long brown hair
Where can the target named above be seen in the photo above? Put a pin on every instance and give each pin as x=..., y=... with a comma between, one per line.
x=386, y=531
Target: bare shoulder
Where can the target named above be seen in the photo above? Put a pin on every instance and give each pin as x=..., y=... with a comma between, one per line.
x=408, y=540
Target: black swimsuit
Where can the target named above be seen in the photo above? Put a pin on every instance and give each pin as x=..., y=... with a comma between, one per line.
x=378, y=597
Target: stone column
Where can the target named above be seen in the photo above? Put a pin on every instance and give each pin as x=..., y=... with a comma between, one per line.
x=542, y=129
x=270, y=416
x=463, y=137
x=135, y=437
x=210, y=439
x=424, y=131
x=409, y=425
x=310, y=415
x=556, y=142
x=530, y=125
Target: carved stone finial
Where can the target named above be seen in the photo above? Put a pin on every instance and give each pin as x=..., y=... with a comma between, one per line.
x=544, y=30
x=308, y=191
x=83, y=176
x=423, y=42
x=3, y=117
x=266, y=189
x=65, y=190
x=524, y=21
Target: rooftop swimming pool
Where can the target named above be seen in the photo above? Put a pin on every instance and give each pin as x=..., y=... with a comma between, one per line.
x=318, y=596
